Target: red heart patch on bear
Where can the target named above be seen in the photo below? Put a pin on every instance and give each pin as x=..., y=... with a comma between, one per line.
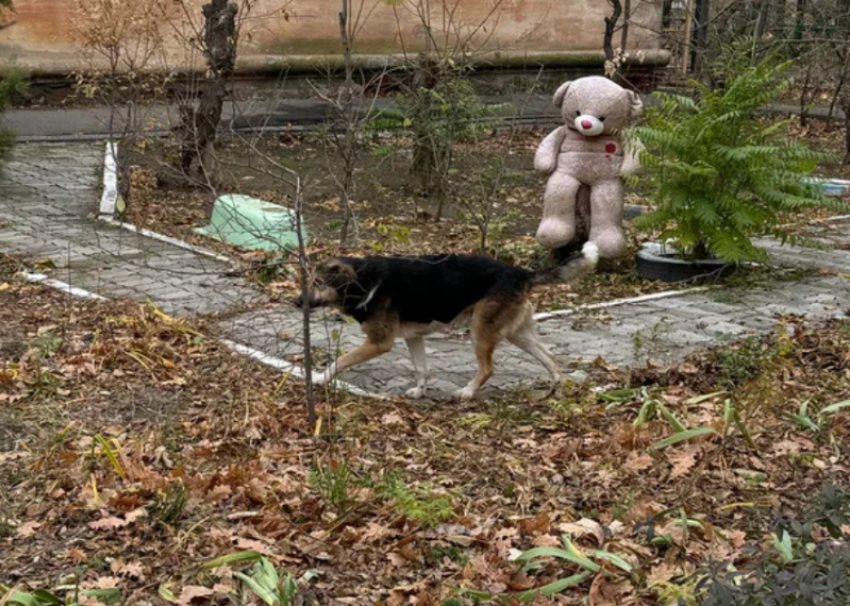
x=610, y=148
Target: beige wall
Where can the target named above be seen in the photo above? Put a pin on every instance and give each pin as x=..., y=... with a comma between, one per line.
x=44, y=35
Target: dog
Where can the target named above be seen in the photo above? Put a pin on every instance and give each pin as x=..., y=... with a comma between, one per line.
x=412, y=297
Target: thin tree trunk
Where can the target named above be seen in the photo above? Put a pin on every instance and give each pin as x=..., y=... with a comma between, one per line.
x=804, y=111
x=700, y=47
x=689, y=29
x=847, y=129
x=666, y=12
x=304, y=263
x=349, y=153
x=836, y=96
x=799, y=25
x=624, y=33
x=610, y=27
x=201, y=127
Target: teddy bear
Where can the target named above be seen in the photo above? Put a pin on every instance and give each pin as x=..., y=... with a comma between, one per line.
x=587, y=151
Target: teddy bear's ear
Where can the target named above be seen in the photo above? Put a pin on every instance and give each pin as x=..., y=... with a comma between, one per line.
x=636, y=104
x=558, y=99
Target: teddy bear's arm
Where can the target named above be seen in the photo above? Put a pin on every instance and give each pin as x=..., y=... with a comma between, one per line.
x=546, y=157
x=631, y=158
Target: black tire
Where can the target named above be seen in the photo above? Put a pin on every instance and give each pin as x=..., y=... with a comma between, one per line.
x=665, y=267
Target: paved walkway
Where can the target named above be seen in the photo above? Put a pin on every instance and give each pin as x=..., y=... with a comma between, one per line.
x=664, y=331
x=48, y=197
x=49, y=193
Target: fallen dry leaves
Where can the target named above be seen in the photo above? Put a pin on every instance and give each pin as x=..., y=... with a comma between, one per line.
x=220, y=431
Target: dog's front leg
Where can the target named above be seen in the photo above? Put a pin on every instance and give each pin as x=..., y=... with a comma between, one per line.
x=416, y=345
x=360, y=354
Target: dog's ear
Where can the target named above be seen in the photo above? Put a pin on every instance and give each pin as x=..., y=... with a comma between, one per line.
x=558, y=99
x=337, y=268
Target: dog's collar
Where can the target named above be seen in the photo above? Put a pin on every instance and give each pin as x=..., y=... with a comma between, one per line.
x=369, y=296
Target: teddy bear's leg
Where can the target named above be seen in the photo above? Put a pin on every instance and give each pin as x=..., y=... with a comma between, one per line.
x=606, y=218
x=558, y=226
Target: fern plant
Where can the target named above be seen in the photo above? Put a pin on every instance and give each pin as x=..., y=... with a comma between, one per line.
x=720, y=177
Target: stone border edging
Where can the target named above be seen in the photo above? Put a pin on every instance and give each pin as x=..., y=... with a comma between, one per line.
x=255, y=354
x=38, y=278
x=294, y=369
x=109, y=200
x=618, y=302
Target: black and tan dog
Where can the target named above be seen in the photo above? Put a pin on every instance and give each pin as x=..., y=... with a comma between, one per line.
x=411, y=297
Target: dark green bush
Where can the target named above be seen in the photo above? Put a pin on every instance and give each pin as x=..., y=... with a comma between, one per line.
x=718, y=175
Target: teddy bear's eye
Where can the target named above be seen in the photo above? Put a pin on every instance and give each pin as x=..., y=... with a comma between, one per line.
x=578, y=112
x=602, y=118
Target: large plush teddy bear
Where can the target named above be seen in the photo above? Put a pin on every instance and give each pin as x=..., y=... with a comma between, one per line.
x=586, y=150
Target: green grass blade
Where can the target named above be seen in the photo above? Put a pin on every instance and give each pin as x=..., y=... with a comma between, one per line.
x=704, y=398
x=563, y=554
x=833, y=408
x=45, y=597
x=24, y=599
x=110, y=454
x=261, y=592
x=683, y=436
x=674, y=422
x=233, y=558
x=552, y=588
x=620, y=395
x=616, y=560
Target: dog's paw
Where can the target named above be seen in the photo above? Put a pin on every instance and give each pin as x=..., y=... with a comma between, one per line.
x=415, y=393
x=320, y=378
x=467, y=393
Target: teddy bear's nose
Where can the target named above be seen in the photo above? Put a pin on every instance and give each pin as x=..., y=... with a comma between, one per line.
x=586, y=124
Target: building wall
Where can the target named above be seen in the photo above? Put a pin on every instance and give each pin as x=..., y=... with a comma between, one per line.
x=45, y=35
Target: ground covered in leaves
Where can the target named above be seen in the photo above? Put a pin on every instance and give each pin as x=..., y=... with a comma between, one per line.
x=135, y=450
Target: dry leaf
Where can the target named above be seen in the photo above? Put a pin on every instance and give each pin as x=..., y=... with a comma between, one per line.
x=77, y=556
x=376, y=532
x=109, y=523
x=132, y=516
x=190, y=592
x=637, y=461
x=662, y=573
x=737, y=538
x=503, y=540
x=406, y=594
x=682, y=460
x=28, y=529
x=786, y=447
x=392, y=418
x=133, y=570
x=251, y=545
x=547, y=540
x=536, y=525
x=223, y=588
x=584, y=527
x=604, y=593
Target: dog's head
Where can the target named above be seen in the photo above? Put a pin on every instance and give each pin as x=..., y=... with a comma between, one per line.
x=329, y=283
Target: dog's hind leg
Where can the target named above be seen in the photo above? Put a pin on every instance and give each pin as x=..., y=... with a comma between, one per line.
x=527, y=339
x=488, y=319
x=416, y=345
x=484, y=348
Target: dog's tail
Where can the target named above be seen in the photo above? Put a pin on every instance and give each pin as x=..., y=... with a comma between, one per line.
x=573, y=269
